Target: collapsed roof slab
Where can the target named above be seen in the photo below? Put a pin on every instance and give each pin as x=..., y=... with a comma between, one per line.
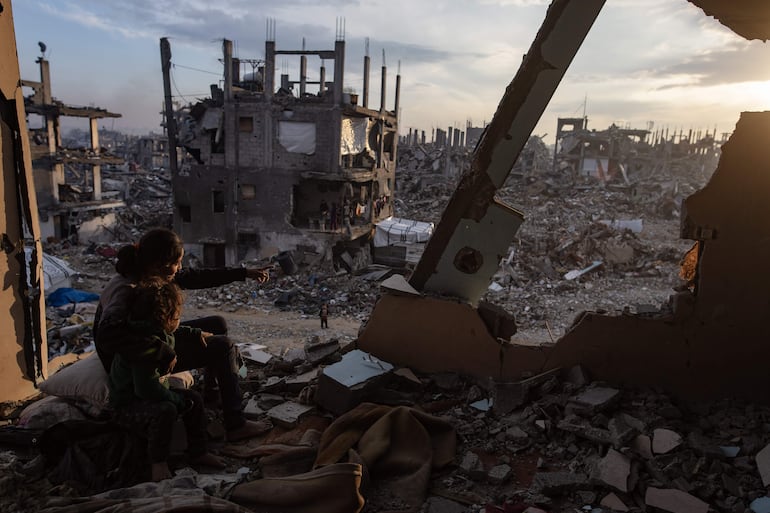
x=747, y=18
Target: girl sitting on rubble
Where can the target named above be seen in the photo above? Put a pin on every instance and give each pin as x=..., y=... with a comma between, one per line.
x=139, y=394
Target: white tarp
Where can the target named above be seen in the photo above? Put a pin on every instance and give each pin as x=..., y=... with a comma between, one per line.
x=353, y=135
x=297, y=136
x=56, y=272
x=396, y=229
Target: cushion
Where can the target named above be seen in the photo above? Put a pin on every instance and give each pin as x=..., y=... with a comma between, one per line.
x=87, y=380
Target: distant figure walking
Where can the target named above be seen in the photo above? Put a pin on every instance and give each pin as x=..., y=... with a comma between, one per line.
x=324, y=314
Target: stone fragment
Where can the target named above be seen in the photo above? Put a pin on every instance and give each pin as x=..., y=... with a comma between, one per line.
x=763, y=464
x=675, y=501
x=613, y=502
x=613, y=470
x=760, y=505
x=297, y=383
x=665, y=440
x=472, y=466
x=252, y=408
x=593, y=400
x=585, y=430
x=318, y=352
x=289, y=414
x=499, y=474
x=550, y=483
x=516, y=433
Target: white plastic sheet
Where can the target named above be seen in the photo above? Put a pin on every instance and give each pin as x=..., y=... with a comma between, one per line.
x=396, y=229
x=353, y=135
x=297, y=136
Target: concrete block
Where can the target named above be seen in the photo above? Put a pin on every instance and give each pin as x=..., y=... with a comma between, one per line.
x=255, y=353
x=317, y=353
x=345, y=384
x=584, y=430
x=554, y=483
x=576, y=375
x=516, y=433
x=613, y=470
x=472, y=466
x=297, y=383
x=665, y=440
x=252, y=409
x=289, y=414
x=594, y=400
x=763, y=464
x=642, y=444
x=675, y=501
x=613, y=502
x=499, y=474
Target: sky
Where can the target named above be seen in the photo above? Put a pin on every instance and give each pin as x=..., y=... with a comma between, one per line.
x=645, y=63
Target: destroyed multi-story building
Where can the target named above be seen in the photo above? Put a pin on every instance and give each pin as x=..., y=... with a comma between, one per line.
x=263, y=163
x=620, y=152
x=68, y=181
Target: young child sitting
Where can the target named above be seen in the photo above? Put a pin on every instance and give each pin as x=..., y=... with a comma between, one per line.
x=140, y=396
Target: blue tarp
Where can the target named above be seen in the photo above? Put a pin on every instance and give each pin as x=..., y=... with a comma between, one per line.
x=64, y=296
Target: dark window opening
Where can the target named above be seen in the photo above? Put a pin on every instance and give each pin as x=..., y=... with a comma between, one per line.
x=248, y=244
x=246, y=124
x=185, y=213
x=248, y=191
x=218, y=198
x=213, y=255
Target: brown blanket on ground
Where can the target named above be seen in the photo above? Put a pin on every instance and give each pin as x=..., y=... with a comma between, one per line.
x=399, y=446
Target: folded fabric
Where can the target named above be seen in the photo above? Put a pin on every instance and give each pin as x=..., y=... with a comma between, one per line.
x=330, y=489
x=400, y=447
x=64, y=296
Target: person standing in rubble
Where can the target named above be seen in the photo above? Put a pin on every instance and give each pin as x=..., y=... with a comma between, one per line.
x=158, y=255
x=324, y=314
x=324, y=214
x=140, y=397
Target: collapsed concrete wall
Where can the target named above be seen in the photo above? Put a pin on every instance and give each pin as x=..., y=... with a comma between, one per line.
x=23, y=352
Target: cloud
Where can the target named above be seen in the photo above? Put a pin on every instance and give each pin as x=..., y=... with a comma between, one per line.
x=747, y=62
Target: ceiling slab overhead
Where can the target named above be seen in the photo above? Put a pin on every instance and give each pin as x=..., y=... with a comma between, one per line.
x=747, y=18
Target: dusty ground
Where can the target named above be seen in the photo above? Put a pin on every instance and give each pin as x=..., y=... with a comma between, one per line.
x=279, y=330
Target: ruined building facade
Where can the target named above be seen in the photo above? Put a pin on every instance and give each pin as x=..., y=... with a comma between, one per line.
x=262, y=158
x=68, y=181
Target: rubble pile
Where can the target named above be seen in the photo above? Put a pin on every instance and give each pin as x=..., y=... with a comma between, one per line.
x=630, y=227
x=552, y=442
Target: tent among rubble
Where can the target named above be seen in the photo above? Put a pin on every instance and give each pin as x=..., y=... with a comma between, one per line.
x=56, y=272
x=399, y=241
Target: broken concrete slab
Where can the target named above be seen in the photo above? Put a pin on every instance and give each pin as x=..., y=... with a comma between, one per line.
x=675, y=501
x=499, y=474
x=642, y=444
x=509, y=396
x=300, y=381
x=593, y=400
x=289, y=414
x=343, y=385
x=316, y=353
x=665, y=440
x=763, y=464
x=553, y=483
x=613, y=470
x=252, y=408
x=397, y=284
x=472, y=466
x=613, y=502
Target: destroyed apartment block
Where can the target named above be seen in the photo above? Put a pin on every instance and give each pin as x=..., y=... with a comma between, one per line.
x=68, y=181
x=268, y=168
x=616, y=154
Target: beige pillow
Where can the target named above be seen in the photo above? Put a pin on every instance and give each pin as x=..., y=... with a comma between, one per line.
x=87, y=380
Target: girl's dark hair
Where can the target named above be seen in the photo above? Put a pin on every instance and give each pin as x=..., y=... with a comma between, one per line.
x=158, y=302
x=158, y=247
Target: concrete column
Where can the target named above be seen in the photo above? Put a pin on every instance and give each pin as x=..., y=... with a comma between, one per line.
x=269, y=78
x=322, y=80
x=367, y=63
x=383, y=88
x=302, y=75
x=227, y=50
x=96, y=168
x=339, y=70
x=398, y=95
